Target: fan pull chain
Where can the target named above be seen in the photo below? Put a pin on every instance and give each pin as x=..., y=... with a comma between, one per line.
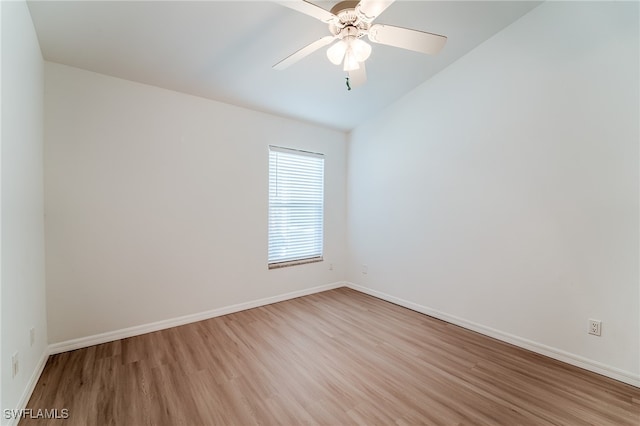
x=348, y=84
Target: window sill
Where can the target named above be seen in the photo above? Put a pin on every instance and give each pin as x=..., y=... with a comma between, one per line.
x=295, y=262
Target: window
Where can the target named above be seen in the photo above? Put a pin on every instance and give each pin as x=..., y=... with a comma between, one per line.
x=296, y=206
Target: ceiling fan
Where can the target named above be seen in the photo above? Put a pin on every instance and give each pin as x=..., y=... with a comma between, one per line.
x=349, y=22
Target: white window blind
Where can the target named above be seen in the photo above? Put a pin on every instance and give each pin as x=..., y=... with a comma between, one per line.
x=296, y=206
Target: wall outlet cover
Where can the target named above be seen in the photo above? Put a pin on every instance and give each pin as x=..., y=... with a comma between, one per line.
x=595, y=327
x=15, y=365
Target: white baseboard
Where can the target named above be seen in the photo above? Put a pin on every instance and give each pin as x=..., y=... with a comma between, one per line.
x=560, y=355
x=110, y=336
x=31, y=385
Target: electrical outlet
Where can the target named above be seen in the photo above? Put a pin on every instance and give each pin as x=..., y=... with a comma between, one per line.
x=15, y=365
x=331, y=266
x=32, y=335
x=365, y=269
x=595, y=327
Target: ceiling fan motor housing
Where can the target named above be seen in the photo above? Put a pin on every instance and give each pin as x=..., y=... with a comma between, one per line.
x=349, y=22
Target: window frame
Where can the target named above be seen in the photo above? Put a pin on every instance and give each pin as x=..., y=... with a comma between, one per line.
x=316, y=257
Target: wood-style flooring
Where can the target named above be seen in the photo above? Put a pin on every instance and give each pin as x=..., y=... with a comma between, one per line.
x=336, y=358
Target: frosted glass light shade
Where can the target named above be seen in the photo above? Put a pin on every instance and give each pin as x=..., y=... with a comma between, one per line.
x=350, y=61
x=350, y=49
x=336, y=52
x=361, y=49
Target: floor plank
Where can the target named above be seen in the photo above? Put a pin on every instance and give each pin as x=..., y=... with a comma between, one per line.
x=332, y=358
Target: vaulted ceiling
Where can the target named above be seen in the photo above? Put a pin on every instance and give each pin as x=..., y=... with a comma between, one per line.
x=225, y=50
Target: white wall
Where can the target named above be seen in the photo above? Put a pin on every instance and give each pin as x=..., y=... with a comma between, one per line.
x=22, y=225
x=503, y=193
x=156, y=203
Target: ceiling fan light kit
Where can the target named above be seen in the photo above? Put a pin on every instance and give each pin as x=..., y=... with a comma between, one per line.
x=350, y=48
x=349, y=22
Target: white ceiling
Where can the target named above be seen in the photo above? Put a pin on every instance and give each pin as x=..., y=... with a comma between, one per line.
x=224, y=50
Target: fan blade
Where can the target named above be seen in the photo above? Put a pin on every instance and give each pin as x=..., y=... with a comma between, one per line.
x=371, y=9
x=415, y=40
x=307, y=8
x=305, y=51
x=358, y=77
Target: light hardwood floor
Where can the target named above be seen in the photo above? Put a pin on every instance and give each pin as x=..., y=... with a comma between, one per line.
x=338, y=357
